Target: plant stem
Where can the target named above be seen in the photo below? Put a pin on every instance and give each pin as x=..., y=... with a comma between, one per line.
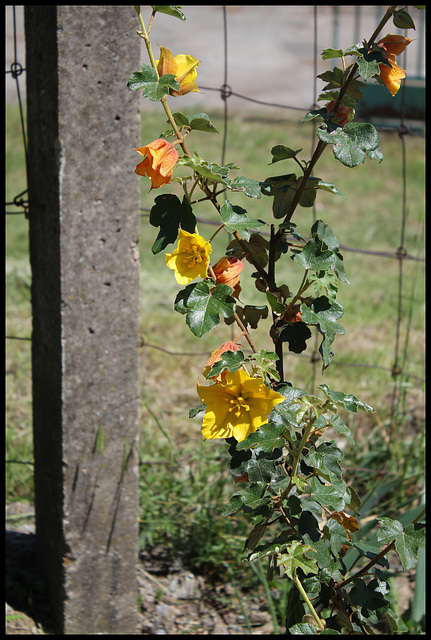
x=301, y=590
x=305, y=435
x=389, y=547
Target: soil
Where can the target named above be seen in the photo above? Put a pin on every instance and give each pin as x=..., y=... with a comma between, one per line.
x=173, y=599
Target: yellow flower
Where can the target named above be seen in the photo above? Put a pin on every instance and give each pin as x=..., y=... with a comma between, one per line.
x=159, y=160
x=191, y=257
x=392, y=76
x=237, y=406
x=183, y=67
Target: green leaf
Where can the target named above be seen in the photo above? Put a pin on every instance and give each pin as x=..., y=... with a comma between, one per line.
x=407, y=541
x=199, y=122
x=268, y=437
x=328, y=186
x=169, y=213
x=403, y=20
x=250, y=315
x=352, y=143
x=230, y=361
x=154, y=88
x=295, y=556
x=210, y=170
x=276, y=305
x=265, y=362
x=193, y=412
x=284, y=188
x=325, y=461
x=370, y=597
x=331, y=53
x=324, y=314
x=304, y=629
x=346, y=400
x=235, y=219
x=249, y=498
x=368, y=67
x=321, y=252
x=334, y=496
x=339, y=427
x=172, y=10
x=295, y=335
x=281, y=152
x=204, y=306
x=249, y=187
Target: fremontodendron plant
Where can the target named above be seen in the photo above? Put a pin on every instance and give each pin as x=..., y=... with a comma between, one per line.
x=288, y=476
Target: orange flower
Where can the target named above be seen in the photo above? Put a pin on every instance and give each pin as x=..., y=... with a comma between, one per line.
x=159, y=160
x=227, y=271
x=392, y=76
x=343, y=113
x=183, y=67
x=215, y=357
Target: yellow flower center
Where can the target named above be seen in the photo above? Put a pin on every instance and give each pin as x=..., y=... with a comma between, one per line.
x=195, y=256
x=238, y=404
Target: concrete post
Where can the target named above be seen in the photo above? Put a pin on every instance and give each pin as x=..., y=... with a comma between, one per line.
x=84, y=230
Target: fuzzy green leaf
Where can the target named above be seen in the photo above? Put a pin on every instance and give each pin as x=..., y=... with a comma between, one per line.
x=281, y=152
x=235, y=219
x=331, y=53
x=268, y=437
x=370, y=597
x=321, y=252
x=199, y=122
x=295, y=335
x=171, y=10
x=407, y=541
x=295, y=556
x=346, y=400
x=204, y=306
x=353, y=143
x=249, y=187
x=324, y=314
x=154, y=88
x=230, y=361
x=334, y=496
x=169, y=213
x=210, y=170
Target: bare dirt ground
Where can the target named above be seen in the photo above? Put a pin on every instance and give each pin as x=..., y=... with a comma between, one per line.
x=173, y=600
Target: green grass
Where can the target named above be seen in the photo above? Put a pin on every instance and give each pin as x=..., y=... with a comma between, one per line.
x=183, y=481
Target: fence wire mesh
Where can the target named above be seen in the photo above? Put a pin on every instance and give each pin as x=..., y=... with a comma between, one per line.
x=401, y=253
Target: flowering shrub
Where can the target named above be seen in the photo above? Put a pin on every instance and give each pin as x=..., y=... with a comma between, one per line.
x=284, y=462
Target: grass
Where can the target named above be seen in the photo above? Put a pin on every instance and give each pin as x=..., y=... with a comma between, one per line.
x=183, y=481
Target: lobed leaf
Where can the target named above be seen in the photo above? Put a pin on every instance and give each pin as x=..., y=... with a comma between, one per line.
x=169, y=213
x=346, y=400
x=268, y=437
x=235, y=219
x=230, y=361
x=170, y=10
x=203, y=306
x=295, y=556
x=352, y=143
x=408, y=541
x=199, y=122
x=154, y=88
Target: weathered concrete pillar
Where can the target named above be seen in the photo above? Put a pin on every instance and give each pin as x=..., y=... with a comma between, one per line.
x=84, y=229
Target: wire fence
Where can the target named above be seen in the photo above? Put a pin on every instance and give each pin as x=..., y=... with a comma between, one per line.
x=400, y=254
